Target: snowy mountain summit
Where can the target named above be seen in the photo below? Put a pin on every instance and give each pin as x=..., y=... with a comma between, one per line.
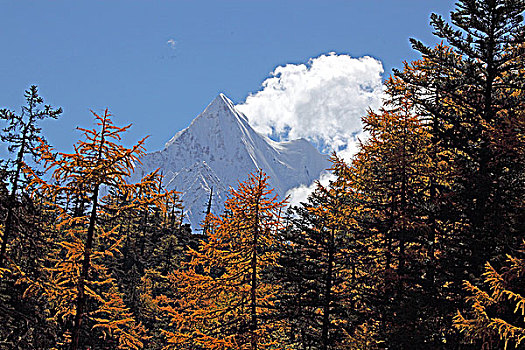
x=218, y=150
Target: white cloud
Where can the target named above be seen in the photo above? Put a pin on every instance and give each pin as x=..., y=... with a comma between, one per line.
x=300, y=194
x=322, y=101
x=171, y=43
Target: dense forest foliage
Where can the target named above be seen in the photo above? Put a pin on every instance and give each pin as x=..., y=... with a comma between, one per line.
x=418, y=243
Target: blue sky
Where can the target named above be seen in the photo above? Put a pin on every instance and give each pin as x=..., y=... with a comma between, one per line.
x=157, y=64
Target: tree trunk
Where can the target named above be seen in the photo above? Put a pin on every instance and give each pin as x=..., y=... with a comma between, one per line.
x=8, y=226
x=81, y=298
x=328, y=293
x=253, y=325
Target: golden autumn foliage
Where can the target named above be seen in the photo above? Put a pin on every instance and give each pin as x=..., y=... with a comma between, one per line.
x=325, y=268
x=375, y=259
x=496, y=316
x=80, y=286
x=224, y=300
x=396, y=175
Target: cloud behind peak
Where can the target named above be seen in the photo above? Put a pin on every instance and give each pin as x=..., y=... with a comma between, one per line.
x=322, y=100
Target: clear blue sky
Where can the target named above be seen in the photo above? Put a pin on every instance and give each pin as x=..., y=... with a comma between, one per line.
x=119, y=54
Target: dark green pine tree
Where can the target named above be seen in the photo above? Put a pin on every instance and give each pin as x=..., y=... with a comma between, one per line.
x=470, y=92
x=23, y=137
x=154, y=243
x=23, y=234
x=321, y=270
x=477, y=116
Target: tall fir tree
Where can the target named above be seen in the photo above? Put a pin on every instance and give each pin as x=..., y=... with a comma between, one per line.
x=23, y=136
x=472, y=92
x=469, y=93
x=24, y=239
x=324, y=268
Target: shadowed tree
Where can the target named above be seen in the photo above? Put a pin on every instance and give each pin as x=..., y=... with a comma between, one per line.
x=325, y=267
x=471, y=91
x=22, y=135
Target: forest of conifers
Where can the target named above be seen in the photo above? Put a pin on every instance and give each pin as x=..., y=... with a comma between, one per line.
x=418, y=243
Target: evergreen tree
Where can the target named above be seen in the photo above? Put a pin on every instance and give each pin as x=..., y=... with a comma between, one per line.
x=24, y=239
x=469, y=94
x=324, y=268
x=22, y=135
x=472, y=92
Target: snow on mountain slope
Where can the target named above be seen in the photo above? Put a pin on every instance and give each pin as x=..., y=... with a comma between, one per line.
x=220, y=148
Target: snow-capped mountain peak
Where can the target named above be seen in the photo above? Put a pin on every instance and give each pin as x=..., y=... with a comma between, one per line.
x=220, y=114
x=220, y=148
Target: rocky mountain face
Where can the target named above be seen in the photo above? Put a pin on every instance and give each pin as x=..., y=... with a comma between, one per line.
x=218, y=150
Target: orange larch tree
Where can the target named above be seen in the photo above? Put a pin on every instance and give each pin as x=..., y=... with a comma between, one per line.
x=82, y=291
x=224, y=299
x=495, y=317
x=393, y=172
